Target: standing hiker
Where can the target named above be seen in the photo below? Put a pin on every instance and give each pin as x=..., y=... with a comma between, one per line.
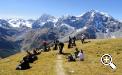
x=70, y=42
x=61, y=46
x=55, y=44
x=45, y=45
x=73, y=41
x=82, y=38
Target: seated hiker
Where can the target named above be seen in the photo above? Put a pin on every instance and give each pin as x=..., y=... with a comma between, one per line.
x=41, y=50
x=28, y=53
x=71, y=58
x=76, y=52
x=73, y=41
x=30, y=57
x=61, y=46
x=37, y=49
x=45, y=45
x=36, y=52
x=34, y=57
x=81, y=55
x=24, y=64
x=48, y=48
x=70, y=42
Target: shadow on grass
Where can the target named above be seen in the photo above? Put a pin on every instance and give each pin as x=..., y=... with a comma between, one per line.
x=86, y=42
x=66, y=54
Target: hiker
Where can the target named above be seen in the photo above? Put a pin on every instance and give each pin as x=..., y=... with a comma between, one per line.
x=28, y=53
x=45, y=45
x=24, y=64
x=81, y=55
x=76, y=52
x=82, y=38
x=73, y=41
x=55, y=44
x=70, y=42
x=71, y=58
x=61, y=46
x=48, y=48
x=30, y=57
x=36, y=51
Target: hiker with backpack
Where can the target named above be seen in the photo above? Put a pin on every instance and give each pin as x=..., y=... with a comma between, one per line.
x=30, y=57
x=71, y=58
x=45, y=46
x=61, y=46
x=73, y=41
x=55, y=44
x=82, y=38
x=24, y=64
x=70, y=42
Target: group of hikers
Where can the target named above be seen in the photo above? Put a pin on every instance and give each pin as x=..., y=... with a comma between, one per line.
x=29, y=58
x=57, y=45
x=71, y=42
x=76, y=55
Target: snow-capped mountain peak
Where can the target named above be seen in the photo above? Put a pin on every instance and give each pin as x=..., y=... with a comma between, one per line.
x=16, y=22
x=99, y=12
x=105, y=14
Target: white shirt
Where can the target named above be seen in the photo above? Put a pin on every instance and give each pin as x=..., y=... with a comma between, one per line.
x=80, y=55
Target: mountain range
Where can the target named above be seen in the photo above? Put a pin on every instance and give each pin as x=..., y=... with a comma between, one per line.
x=20, y=34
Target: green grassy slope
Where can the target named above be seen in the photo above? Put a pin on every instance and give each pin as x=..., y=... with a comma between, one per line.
x=93, y=50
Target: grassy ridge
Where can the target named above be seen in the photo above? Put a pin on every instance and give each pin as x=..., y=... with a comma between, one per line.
x=93, y=50
x=43, y=66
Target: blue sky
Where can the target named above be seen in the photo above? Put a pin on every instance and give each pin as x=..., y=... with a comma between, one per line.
x=35, y=8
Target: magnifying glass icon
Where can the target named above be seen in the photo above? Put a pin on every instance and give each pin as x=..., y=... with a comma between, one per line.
x=106, y=59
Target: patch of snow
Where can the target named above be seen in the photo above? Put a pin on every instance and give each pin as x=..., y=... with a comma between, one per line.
x=55, y=20
x=81, y=15
x=73, y=20
x=81, y=29
x=92, y=15
x=49, y=20
x=68, y=26
x=106, y=14
x=85, y=27
x=42, y=23
x=55, y=25
x=78, y=30
x=107, y=30
x=114, y=23
x=18, y=22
